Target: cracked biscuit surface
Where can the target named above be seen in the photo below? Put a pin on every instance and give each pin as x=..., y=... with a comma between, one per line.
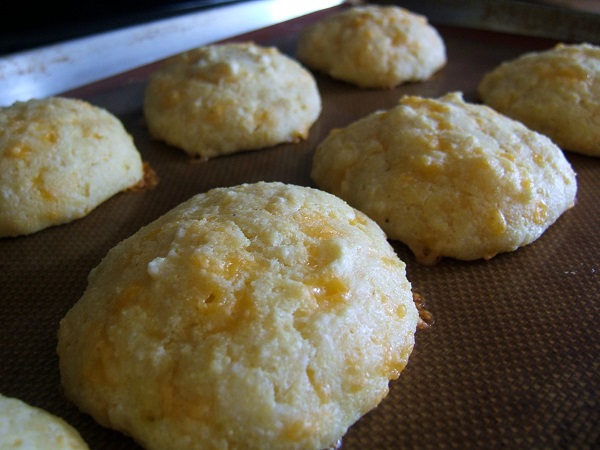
x=226, y=98
x=448, y=178
x=257, y=316
x=59, y=159
x=373, y=46
x=555, y=92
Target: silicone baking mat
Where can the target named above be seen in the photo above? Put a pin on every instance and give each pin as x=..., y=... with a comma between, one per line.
x=511, y=359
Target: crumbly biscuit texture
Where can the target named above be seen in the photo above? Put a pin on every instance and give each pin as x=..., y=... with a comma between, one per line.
x=448, y=178
x=256, y=316
x=59, y=159
x=226, y=98
x=555, y=92
x=25, y=427
x=373, y=46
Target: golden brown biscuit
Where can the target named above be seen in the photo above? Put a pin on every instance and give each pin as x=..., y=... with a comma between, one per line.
x=258, y=316
x=448, y=178
x=555, y=92
x=227, y=98
x=26, y=427
x=373, y=46
x=59, y=159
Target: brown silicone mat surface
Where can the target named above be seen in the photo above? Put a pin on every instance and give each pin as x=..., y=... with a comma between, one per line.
x=512, y=358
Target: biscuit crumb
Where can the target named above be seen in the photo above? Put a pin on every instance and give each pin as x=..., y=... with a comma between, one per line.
x=425, y=317
x=149, y=181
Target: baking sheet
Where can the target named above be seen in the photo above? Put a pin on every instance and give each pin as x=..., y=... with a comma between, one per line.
x=511, y=359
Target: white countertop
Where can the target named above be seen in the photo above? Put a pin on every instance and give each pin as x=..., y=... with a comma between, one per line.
x=50, y=70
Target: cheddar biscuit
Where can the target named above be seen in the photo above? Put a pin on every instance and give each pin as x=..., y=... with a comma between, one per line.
x=373, y=46
x=59, y=159
x=555, y=92
x=256, y=316
x=227, y=98
x=26, y=427
x=448, y=178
